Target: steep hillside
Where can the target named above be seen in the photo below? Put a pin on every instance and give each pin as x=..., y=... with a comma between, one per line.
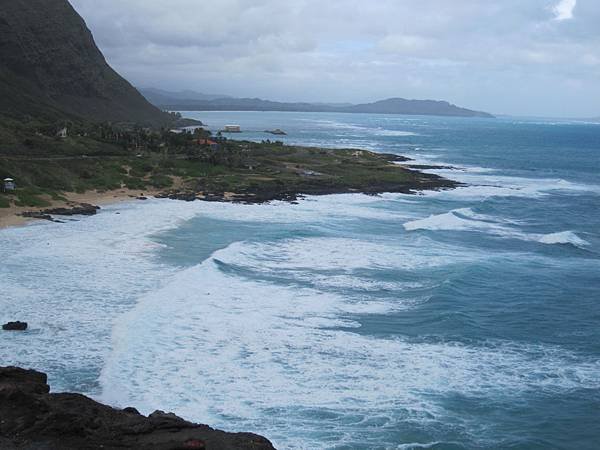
x=50, y=67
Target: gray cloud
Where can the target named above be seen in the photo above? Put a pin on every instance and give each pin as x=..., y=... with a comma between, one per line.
x=534, y=57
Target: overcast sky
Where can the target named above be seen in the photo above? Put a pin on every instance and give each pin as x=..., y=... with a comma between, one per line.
x=526, y=57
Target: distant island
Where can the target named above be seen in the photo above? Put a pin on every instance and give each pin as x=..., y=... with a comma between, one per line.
x=194, y=101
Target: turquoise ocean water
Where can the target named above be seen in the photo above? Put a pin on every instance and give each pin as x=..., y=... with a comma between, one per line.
x=464, y=319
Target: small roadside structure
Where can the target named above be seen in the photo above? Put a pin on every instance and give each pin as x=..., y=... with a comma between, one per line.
x=8, y=185
x=232, y=129
x=62, y=133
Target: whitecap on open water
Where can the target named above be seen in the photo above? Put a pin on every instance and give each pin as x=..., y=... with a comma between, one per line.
x=464, y=319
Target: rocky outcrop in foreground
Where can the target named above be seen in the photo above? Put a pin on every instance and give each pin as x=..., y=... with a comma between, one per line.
x=33, y=419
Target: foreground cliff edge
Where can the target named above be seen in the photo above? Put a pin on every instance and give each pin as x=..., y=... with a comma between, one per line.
x=33, y=418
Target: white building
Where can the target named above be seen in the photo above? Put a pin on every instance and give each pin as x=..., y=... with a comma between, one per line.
x=9, y=185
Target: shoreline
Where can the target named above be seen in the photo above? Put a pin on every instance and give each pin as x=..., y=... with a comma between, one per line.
x=270, y=173
x=11, y=217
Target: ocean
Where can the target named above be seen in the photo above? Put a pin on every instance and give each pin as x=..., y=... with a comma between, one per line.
x=461, y=319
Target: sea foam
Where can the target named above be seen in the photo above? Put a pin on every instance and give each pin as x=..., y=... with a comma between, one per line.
x=465, y=219
x=262, y=335
x=242, y=347
x=565, y=237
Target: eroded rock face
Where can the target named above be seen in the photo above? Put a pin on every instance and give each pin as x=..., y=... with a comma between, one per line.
x=31, y=418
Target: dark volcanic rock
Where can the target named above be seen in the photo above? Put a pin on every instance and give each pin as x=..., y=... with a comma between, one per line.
x=31, y=418
x=395, y=158
x=430, y=167
x=214, y=197
x=82, y=209
x=37, y=215
x=15, y=326
x=177, y=195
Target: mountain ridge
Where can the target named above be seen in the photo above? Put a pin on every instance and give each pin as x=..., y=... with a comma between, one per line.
x=158, y=96
x=396, y=105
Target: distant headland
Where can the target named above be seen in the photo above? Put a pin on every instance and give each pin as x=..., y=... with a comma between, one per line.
x=194, y=101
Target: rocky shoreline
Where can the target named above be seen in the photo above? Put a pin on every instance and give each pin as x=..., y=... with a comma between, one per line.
x=304, y=182
x=258, y=195
x=32, y=418
x=80, y=209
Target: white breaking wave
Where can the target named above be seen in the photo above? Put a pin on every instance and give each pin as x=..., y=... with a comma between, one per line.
x=69, y=281
x=227, y=342
x=417, y=446
x=468, y=212
x=313, y=209
x=452, y=173
x=220, y=343
x=465, y=219
x=565, y=237
x=342, y=254
x=481, y=185
x=232, y=351
x=447, y=221
x=398, y=133
x=378, y=131
x=484, y=182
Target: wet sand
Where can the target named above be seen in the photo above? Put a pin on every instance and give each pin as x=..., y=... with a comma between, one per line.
x=10, y=217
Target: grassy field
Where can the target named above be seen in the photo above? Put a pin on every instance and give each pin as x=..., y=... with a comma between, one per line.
x=262, y=169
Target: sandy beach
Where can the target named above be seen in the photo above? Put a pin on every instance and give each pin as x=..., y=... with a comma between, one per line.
x=10, y=217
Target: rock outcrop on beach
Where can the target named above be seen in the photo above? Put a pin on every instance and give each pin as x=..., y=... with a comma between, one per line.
x=51, y=68
x=74, y=209
x=31, y=418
